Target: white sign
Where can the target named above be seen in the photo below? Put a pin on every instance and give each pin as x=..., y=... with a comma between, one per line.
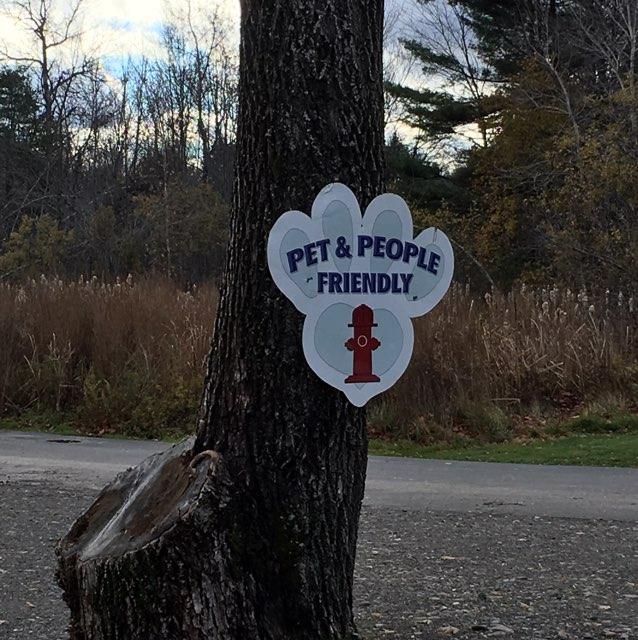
x=359, y=281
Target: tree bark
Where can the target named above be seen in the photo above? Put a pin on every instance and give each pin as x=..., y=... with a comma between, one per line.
x=257, y=540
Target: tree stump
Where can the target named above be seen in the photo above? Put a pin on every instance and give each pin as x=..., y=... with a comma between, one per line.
x=157, y=539
x=165, y=553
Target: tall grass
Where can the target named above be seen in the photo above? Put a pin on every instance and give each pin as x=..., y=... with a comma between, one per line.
x=478, y=362
x=128, y=357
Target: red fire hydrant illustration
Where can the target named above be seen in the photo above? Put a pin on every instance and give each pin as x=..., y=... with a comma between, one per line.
x=362, y=345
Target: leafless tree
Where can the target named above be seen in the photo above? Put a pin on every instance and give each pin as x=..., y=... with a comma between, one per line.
x=547, y=41
x=607, y=32
x=397, y=64
x=53, y=52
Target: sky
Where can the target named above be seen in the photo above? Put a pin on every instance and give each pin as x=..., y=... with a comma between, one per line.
x=112, y=28
x=122, y=27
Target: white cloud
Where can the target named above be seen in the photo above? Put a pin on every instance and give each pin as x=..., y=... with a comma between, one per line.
x=131, y=27
x=115, y=28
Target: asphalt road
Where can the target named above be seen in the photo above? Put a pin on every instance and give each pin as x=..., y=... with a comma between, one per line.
x=432, y=485
x=460, y=549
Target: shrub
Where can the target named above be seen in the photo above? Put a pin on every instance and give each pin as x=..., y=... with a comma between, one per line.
x=37, y=245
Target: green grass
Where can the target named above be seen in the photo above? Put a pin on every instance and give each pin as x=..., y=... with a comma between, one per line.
x=603, y=435
x=617, y=450
x=45, y=422
x=589, y=439
x=594, y=423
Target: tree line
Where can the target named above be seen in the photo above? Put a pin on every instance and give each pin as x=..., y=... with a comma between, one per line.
x=512, y=125
x=108, y=171
x=539, y=101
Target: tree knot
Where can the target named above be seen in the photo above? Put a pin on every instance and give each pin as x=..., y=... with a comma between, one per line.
x=213, y=456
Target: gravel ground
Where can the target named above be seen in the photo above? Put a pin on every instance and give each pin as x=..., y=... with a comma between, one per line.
x=420, y=574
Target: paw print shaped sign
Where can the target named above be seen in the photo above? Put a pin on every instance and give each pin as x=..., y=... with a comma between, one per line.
x=359, y=280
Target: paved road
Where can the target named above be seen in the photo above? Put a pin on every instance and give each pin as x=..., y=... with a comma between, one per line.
x=472, y=550
x=430, y=485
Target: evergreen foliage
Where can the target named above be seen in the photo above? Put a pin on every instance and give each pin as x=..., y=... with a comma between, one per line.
x=551, y=179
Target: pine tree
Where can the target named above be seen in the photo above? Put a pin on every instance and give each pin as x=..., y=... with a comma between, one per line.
x=456, y=96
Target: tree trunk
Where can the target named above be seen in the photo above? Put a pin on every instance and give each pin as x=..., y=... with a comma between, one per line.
x=254, y=538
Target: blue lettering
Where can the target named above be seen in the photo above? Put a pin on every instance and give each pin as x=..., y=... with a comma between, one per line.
x=323, y=248
x=394, y=249
x=384, y=283
x=322, y=280
x=379, y=246
x=369, y=284
x=311, y=254
x=334, y=283
x=356, y=283
x=410, y=250
x=421, y=261
x=407, y=279
x=294, y=257
x=433, y=264
x=365, y=242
